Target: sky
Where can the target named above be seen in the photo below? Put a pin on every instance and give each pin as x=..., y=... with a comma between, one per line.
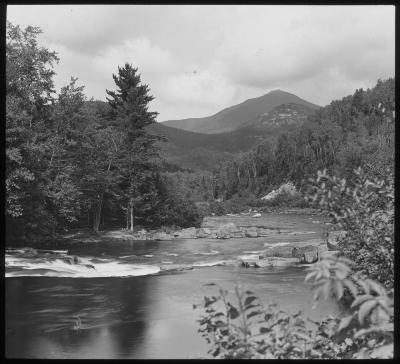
x=198, y=60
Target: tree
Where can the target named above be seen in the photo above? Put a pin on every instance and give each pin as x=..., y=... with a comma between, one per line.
x=29, y=98
x=129, y=105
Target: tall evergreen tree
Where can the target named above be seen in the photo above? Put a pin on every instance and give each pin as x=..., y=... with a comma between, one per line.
x=129, y=105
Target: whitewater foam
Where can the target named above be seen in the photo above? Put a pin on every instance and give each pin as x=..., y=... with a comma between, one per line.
x=212, y=252
x=212, y=264
x=22, y=267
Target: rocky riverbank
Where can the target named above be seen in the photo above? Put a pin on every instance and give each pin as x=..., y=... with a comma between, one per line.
x=230, y=226
x=288, y=239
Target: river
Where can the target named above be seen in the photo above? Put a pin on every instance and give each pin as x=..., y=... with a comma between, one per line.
x=126, y=307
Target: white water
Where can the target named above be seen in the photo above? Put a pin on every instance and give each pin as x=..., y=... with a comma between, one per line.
x=58, y=268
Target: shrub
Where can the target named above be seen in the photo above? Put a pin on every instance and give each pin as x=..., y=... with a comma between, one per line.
x=243, y=328
x=364, y=208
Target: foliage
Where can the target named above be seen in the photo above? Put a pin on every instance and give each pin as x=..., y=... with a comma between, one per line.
x=74, y=163
x=364, y=209
x=29, y=90
x=244, y=328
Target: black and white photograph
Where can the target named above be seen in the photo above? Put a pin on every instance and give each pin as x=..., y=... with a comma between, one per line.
x=199, y=181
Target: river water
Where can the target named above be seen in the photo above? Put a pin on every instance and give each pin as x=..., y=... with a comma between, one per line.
x=123, y=305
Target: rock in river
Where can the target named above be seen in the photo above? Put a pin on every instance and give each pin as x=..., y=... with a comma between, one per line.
x=251, y=232
x=189, y=233
x=307, y=254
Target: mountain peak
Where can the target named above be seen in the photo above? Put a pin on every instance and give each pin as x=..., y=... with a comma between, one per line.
x=239, y=115
x=278, y=92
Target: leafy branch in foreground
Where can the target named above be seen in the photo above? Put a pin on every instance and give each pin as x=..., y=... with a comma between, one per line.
x=242, y=327
x=364, y=209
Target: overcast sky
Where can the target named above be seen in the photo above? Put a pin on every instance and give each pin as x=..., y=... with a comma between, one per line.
x=198, y=60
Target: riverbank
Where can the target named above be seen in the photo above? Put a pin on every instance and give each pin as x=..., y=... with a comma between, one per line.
x=251, y=224
x=286, y=237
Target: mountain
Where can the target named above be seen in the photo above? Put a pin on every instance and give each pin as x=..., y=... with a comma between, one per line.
x=240, y=115
x=192, y=150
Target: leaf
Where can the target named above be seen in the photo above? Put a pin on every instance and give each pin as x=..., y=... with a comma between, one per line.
x=351, y=286
x=209, y=302
x=249, y=300
x=383, y=352
x=254, y=313
x=365, y=309
x=232, y=312
x=310, y=275
x=375, y=286
x=344, y=322
x=249, y=307
x=327, y=289
x=264, y=330
x=302, y=336
x=339, y=289
x=361, y=299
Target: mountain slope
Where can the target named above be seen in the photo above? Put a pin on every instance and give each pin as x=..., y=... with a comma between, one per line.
x=192, y=150
x=239, y=115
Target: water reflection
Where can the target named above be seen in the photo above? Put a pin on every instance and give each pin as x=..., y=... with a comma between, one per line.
x=112, y=314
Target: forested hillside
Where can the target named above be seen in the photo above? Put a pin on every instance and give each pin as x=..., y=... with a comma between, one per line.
x=355, y=131
x=288, y=144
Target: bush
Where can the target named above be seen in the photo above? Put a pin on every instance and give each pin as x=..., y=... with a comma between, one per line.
x=242, y=328
x=364, y=208
x=179, y=212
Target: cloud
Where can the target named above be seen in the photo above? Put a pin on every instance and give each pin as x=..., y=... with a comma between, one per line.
x=237, y=51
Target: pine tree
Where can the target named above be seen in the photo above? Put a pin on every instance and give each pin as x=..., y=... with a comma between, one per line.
x=129, y=105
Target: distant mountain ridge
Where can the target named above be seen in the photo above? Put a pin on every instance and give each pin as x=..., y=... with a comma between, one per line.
x=193, y=150
x=239, y=115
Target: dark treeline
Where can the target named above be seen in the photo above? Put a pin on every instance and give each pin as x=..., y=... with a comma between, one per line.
x=73, y=163
x=355, y=131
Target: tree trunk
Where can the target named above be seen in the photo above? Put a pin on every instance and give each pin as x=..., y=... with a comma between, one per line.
x=97, y=215
x=131, y=208
x=127, y=217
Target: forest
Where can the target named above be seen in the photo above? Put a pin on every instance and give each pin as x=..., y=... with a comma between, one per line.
x=77, y=163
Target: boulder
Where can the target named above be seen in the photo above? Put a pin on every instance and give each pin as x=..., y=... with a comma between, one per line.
x=248, y=260
x=162, y=236
x=70, y=259
x=223, y=234
x=265, y=231
x=30, y=252
x=333, y=239
x=175, y=267
x=307, y=254
x=251, y=232
x=203, y=232
x=189, y=233
x=285, y=251
x=309, y=257
x=237, y=234
x=276, y=262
